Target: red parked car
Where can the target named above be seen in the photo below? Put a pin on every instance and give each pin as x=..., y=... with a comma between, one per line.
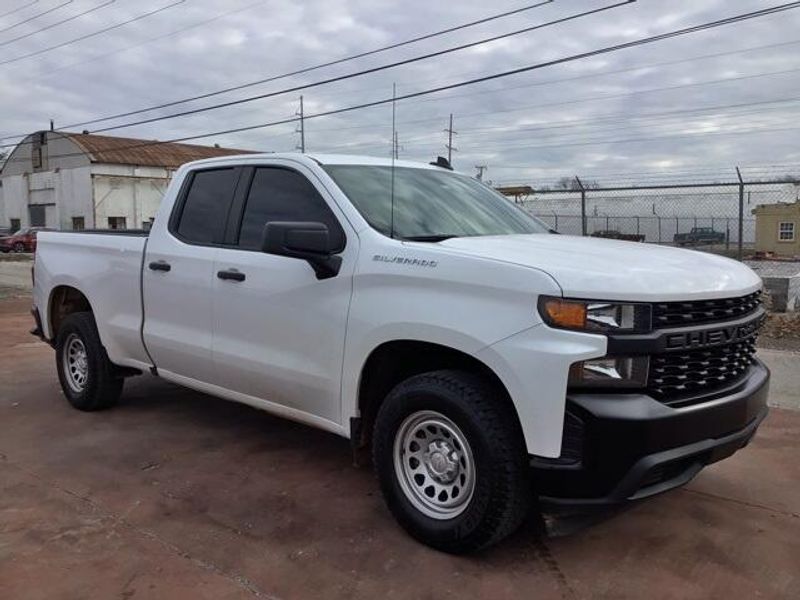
x=23, y=240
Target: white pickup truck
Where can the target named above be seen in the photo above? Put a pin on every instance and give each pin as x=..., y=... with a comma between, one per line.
x=485, y=361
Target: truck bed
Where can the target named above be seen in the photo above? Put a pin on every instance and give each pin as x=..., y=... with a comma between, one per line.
x=120, y=232
x=107, y=266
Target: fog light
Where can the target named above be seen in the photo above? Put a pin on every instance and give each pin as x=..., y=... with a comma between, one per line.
x=610, y=371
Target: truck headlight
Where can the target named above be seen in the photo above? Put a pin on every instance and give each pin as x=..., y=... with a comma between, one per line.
x=595, y=316
x=610, y=372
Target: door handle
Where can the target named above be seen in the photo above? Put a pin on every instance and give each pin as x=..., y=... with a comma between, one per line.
x=231, y=275
x=159, y=265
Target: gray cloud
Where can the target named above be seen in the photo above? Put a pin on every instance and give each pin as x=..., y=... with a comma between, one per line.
x=595, y=116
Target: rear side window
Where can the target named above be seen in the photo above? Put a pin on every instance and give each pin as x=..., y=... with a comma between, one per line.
x=206, y=206
x=283, y=195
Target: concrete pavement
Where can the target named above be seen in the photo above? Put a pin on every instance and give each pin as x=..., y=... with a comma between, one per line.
x=174, y=494
x=15, y=271
x=785, y=383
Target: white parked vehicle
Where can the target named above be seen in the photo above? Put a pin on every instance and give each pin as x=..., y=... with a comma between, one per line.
x=486, y=361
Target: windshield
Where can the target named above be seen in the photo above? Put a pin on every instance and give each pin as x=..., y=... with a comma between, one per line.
x=430, y=204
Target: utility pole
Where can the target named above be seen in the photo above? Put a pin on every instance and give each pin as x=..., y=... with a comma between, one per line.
x=394, y=123
x=301, y=128
x=396, y=147
x=481, y=169
x=450, y=148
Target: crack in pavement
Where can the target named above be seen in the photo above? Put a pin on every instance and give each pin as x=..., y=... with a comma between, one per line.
x=546, y=556
x=238, y=580
x=785, y=513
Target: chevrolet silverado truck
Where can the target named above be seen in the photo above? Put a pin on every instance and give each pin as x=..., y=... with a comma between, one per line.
x=490, y=367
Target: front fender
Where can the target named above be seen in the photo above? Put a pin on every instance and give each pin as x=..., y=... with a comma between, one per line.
x=534, y=367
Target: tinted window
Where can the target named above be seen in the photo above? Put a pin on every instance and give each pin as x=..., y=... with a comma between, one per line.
x=206, y=206
x=283, y=195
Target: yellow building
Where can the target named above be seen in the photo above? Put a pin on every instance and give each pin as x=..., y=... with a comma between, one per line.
x=778, y=228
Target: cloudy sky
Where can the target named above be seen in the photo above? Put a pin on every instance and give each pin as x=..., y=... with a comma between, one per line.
x=690, y=107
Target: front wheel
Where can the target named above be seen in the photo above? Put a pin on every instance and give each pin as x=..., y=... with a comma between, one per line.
x=86, y=374
x=451, y=461
x=19, y=247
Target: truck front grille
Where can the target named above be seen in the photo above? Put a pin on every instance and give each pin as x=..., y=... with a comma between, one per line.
x=675, y=314
x=676, y=377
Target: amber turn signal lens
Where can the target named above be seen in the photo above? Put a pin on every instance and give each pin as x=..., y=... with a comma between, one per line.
x=563, y=313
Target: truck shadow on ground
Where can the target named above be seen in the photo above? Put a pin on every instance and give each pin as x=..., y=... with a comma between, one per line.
x=258, y=442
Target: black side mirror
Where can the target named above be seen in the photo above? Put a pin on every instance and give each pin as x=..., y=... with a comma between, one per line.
x=305, y=240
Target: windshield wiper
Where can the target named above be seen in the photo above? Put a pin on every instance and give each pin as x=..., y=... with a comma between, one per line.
x=428, y=238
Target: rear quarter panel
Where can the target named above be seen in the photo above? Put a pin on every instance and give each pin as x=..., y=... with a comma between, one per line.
x=107, y=270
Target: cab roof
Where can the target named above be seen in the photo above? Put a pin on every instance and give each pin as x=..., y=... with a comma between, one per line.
x=321, y=159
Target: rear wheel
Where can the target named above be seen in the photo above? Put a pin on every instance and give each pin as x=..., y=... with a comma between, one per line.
x=19, y=247
x=451, y=461
x=86, y=374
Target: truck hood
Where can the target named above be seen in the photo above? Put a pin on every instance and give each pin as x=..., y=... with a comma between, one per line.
x=603, y=269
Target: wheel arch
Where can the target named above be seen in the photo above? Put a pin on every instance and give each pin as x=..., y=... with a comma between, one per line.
x=394, y=361
x=63, y=301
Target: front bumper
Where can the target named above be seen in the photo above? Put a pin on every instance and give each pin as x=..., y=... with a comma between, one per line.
x=620, y=447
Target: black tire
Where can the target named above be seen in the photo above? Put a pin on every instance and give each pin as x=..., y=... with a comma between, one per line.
x=502, y=494
x=19, y=247
x=101, y=387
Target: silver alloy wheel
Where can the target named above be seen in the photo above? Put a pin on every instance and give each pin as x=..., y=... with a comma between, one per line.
x=76, y=363
x=434, y=464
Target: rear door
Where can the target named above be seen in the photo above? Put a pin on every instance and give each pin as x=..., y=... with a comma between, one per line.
x=278, y=330
x=178, y=272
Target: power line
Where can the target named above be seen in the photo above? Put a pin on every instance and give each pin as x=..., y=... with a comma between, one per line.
x=93, y=34
x=610, y=96
x=499, y=75
x=616, y=118
x=33, y=17
x=648, y=117
x=613, y=72
x=18, y=9
x=648, y=139
x=352, y=74
x=508, y=88
x=694, y=171
x=57, y=23
x=507, y=143
x=169, y=34
x=316, y=67
x=505, y=89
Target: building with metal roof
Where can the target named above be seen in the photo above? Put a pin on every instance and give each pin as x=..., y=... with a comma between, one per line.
x=70, y=180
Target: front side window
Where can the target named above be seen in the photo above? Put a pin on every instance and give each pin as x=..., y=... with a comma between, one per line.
x=786, y=231
x=283, y=195
x=428, y=204
x=202, y=219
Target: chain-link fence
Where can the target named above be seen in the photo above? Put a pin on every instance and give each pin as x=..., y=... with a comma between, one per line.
x=713, y=217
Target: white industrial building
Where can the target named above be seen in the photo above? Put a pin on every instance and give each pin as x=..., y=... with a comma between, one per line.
x=79, y=180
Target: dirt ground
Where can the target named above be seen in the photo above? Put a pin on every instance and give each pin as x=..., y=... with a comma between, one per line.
x=781, y=332
x=174, y=494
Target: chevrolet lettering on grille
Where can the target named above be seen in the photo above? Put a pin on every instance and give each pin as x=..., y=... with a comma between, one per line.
x=712, y=337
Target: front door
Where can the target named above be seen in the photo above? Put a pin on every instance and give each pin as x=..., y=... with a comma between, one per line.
x=177, y=278
x=278, y=330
